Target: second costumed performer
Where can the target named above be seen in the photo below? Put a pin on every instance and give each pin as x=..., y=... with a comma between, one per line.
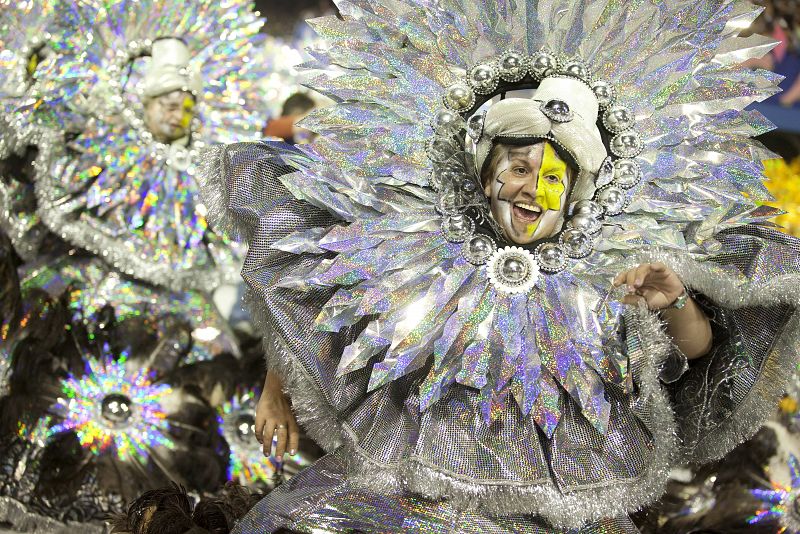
x=521, y=317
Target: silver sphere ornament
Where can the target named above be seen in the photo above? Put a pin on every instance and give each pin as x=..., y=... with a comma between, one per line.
x=116, y=409
x=512, y=66
x=604, y=92
x=483, y=78
x=588, y=207
x=459, y=97
x=585, y=223
x=613, y=199
x=617, y=119
x=514, y=269
x=576, y=244
x=478, y=249
x=551, y=257
x=627, y=145
x=576, y=69
x=245, y=426
x=457, y=228
x=627, y=173
x=556, y=111
x=543, y=64
x=445, y=120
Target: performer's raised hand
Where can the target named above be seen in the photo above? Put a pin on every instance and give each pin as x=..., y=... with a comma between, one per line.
x=275, y=419
x=656, y=283
x=661, y=289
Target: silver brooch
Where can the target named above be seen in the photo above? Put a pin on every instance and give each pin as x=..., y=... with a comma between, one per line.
x=556, y=111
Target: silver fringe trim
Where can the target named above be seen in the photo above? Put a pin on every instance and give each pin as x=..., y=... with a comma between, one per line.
x=778, y=368
x=21, y=520
x=215, y=194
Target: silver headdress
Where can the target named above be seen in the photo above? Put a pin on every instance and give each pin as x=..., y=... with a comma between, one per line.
x=117, y=190
x=454, y=364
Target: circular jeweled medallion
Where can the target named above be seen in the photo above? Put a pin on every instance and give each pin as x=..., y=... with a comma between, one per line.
x=551, y=257
x=556, y=111
x=445, y=120
x=513, y=270
x=613, y=199
x=576, y=243
x=576, y=69
x=245, y=427
x=116, y=409
x=627, y=144
x=512, y=66
x=457, y=228
x=617, y=119
x=543, y=64
x=604, y=92
x=478, y=249
x=459, y=97
x=483, y=78
x=587, y=207
x=585, y=223
x=627, y=173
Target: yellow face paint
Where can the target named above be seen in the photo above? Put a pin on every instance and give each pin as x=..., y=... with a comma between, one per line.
x=188, y=111
x=550, y=184
x=33, y=62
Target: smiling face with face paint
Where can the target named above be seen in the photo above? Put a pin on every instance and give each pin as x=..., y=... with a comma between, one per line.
x=527, y=187
x=169, y=116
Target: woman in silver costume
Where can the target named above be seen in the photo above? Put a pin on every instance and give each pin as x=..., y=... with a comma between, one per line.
x=522, y=317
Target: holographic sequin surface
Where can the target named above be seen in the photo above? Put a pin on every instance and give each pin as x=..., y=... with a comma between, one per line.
x=119, y=199
x=780, y=502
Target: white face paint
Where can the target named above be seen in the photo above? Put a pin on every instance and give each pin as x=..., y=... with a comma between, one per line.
x=528, y=191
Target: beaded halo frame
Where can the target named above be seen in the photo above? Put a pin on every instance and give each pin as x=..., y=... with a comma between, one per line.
x=460, y=199
x=176, y=156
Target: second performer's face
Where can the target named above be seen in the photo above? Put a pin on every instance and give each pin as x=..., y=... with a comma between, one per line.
x=169, y=116
x=527, y=189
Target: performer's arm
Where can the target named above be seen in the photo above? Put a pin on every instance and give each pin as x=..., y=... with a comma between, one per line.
x=660, y=288
x=274, y=417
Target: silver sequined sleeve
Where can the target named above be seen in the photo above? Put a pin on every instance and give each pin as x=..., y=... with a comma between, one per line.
x=726, y=396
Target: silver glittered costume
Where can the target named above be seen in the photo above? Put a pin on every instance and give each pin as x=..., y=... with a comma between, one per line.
x=119, y=190
x=376, y=274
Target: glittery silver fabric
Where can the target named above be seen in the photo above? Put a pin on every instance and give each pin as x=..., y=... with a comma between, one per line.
x=509, y=466
x=321, y=499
